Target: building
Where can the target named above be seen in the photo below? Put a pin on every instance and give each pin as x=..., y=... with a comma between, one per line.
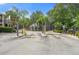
x=4, y=21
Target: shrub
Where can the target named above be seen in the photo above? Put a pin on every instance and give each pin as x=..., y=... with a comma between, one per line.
x=69, y=32
x=7, y=29
x=77, y=34
x=72, y=32
x=58, y=31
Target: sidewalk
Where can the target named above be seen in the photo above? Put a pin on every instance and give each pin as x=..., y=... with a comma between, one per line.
x=72, y=36
x=68, y=35
x=5, y=36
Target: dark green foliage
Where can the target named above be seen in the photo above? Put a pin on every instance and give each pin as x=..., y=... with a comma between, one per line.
x=77, y=34
x=7, y=29
x=58, y=31
x=65, y=15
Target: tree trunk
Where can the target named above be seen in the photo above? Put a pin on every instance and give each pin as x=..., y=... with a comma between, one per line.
x=17, y=27
x=44, y=28
x=23, y=31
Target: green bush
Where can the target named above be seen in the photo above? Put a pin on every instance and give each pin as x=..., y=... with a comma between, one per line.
x=58, y=31
x=69, y=32
x=77, y=34
x=7, y=29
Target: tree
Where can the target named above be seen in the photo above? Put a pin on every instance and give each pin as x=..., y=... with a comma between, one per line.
x=24, y=21
x=63, y=14
x=35, y=16
x=13, y=14
x=42, y=22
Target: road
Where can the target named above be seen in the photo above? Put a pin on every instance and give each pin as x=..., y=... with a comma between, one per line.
x=38, y=44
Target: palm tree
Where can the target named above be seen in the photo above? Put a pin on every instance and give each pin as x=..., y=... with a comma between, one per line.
x=24, y=21
x=42, y=21
x=14, y=17
x=13, y=14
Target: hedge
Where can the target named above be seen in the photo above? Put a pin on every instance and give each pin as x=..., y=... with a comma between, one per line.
x=7, y=29
x=77, y=34
x=58, y=31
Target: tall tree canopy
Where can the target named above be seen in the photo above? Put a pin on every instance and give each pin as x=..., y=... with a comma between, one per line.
x=64, y=14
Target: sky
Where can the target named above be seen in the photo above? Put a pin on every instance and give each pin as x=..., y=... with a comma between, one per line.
x=30, y=7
